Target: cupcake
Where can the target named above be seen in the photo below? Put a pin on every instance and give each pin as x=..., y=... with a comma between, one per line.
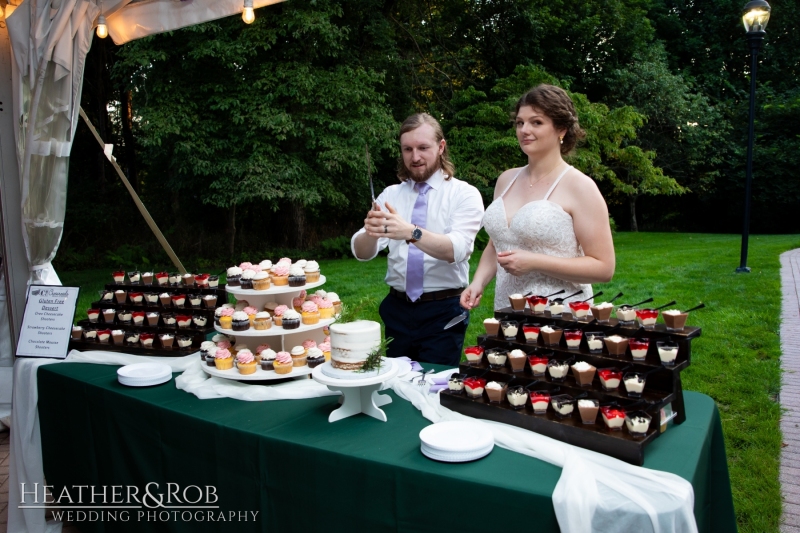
x=234, y=275
x=265, y=265
x=245, y=362
x=246, y=281
x=300, y=263
x=223, y=359
x=277, y=314
x=207, y=348
x=309, y=343
x=310, y=313
x=334, y=299
x=297, y=303
x=226, y=322
x=238, y=348
x=270, y=307
x=298, y=354
x=251, y=313
x=280, y=275
x=240, y=305
x=314, y=357
x=240, y=321
x=282, y=363
x=267, y=359
x=261, y=281
x=311, y=271
x=291, y=319
x=325, y=309
x=262, y=321
x=326, y=350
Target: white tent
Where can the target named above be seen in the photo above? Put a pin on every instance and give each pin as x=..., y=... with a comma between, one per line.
x=43, y=47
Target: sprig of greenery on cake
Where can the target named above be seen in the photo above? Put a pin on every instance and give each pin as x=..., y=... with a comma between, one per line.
x=375, y=358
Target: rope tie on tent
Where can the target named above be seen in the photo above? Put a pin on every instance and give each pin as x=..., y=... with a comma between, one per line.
x=136, y=200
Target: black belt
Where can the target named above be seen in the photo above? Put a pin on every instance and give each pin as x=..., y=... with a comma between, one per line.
x=428, y=296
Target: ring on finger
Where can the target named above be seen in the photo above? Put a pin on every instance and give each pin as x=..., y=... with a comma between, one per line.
x=386, y=229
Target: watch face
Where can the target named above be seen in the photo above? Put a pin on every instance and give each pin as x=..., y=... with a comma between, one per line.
x=416, y=234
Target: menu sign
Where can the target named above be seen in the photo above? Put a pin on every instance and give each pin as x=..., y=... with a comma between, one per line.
x=47, y=324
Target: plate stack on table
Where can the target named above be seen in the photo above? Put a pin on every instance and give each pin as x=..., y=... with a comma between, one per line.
x=602, y=398
x=456, y=442
x=157, y=315
x=144, y=374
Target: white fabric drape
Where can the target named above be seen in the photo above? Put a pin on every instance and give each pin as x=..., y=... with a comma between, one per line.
x=49, y=41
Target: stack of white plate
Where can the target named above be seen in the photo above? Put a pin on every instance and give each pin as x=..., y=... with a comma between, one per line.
x=144, y=374
x=456, y=442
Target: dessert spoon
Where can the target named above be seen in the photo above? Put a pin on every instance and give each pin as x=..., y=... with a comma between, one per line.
x=665, y=305
x=590, y=297
x=614, y=298
x=702, y=305
x=643, y=302
x=565, y=297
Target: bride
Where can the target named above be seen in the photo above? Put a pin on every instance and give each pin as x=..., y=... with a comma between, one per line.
x=548, y=222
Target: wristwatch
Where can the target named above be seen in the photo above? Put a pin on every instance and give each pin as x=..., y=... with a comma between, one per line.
x=415, y=235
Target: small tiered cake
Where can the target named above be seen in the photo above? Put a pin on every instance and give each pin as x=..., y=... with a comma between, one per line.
x=352, y=342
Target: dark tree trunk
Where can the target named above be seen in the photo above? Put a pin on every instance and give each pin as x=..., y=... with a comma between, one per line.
x=231, y=229
x=299, y=219
x=634, y=225
x=126, y=114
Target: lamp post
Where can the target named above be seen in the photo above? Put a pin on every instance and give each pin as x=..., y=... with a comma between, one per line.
x=755, y=19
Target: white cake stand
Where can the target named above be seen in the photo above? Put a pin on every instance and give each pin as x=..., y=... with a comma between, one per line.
x=360, y=395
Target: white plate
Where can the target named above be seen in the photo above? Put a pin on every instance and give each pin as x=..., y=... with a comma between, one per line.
x=145, y=383
x=274, y=330
x=458, y=457
x=456, y=437
x=259, y=375
x=144, y=371
x=273, y=289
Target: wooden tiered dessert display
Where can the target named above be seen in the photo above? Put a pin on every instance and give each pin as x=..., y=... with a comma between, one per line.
x=663, y=392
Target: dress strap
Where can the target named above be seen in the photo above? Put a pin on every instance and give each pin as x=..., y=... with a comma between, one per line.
x=553, y=186
x=512, y=181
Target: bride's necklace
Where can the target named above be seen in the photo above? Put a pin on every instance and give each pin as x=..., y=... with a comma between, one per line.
x=532, y=183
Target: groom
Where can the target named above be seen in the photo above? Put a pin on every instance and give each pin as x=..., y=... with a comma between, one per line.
x=429, y=222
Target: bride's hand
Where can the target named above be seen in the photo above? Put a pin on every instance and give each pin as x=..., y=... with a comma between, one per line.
x=516, y=262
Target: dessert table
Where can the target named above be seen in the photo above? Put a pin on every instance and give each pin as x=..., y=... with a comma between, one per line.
x=285, y=461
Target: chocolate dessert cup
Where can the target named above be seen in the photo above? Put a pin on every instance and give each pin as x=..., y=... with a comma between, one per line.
x=495, y=394
x=517, y=302
x=492, y=326
x=674, y=319
x=551, y=335
x=602, y=313
x=588, y=409
x=584, y=374
x=616, y=344
x=517, y=358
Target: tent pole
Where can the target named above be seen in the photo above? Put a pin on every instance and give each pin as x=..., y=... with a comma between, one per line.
x=137, y=201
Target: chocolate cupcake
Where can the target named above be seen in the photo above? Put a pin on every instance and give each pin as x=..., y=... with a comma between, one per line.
x=234, y=277
x=297, y=276
x=241, y=321
x=291, y=319
x=315, y=357
x=267, y=359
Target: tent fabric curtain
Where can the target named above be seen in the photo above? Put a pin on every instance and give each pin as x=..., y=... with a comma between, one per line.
x=49, y=40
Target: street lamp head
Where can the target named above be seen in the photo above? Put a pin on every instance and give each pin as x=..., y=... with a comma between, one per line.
x=756, y=16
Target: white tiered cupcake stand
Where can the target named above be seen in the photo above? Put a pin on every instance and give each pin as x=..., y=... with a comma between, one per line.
x=288, y=338
x=360, y=395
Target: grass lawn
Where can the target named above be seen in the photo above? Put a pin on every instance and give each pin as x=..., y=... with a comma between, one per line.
x=735, y=361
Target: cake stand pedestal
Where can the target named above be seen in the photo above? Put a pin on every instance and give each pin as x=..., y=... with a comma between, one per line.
x=359, y=395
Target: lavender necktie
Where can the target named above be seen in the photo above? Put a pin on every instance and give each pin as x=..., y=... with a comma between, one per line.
x=416, y=257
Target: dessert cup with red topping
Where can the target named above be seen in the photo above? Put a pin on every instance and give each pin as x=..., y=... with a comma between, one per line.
x=647, y=317
x=531, y=332
x=610, y=378
x=178, y=300
x=162, y=278
x=537, y=304
x=138, y=318
x=103, y=335
x=137, y=298
x=147, y=339
x=540, y=399
x=474, y=387
x=474, y=355
x=93, y=314
x=580, y=310
x=613, y=417
x=119, y=276
x=639, y=348
x=573, y=338
x=538, y=364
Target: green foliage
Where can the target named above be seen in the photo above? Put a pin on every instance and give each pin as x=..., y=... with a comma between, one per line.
x=128, y=256
x=335, y=248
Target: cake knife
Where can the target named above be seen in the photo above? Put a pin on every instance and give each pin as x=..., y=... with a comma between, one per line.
x=460, y=318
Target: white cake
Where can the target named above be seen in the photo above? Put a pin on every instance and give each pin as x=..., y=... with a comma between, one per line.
x=352, y=342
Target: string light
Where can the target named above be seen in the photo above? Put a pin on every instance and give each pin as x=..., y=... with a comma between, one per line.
x=102, y=29
x=248, y=16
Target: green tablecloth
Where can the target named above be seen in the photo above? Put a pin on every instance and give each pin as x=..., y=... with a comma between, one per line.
x=283, y=459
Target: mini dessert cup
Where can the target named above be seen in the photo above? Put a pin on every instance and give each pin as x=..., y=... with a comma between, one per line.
x=474, y=387
x=121, y=296
x=184, y=321
x=131, y=338
x=77, y=333
x=201, y=280
x=510, y=329
x=558, y=370
x=594, y=341
x=639, y=348
x=638, y=423
x=583, y=373
x=551, y=335
x=626, y=314
x=213, y=281
x=497, y=358
x=667, y=352
x=455, y=384
x=103, y=336
x=194, y=300
x=647, y=317
x=184, y=342
x=169, y=320
x=474, y=355
x=616, y=345
x=517, y=358
x=563, y=405
x=613, y=417
x=147, y=278
x=588, y=409
x=634, y=383
x=165, y=298
x=674, y=319
x=135, y=277
x=138, y=318
x=108, y=315
x=151, y=298
x=496, y=391
x=152, y=318
x=106, y=295
x=118, y=336
x=175, y=279
x=602, y=312
x=517, y=397
x=492, y=326
x=210, y=301
x=178, y=300
x=531, y=332
x=93, y=315
x=573, y=338
x=147, y=339
x=580, y=310
x=89, y=334
x=119, y=276
x=538, y=364
x=136, y=298
x=517, y=302
x=162, y=278
x=556, y=307
x=610, y=378
x=124, y=317
x=188, y=280
x=537, y=304
x=166, y=340
x=540, y=399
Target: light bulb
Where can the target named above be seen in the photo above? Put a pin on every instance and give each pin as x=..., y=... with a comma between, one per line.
x=102, y=29
x=248, y=16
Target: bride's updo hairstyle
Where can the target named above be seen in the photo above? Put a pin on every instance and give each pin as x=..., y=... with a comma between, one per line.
x=557, y=105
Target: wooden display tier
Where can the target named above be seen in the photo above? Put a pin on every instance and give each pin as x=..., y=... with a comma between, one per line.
x=198, y=335
x=182, y=289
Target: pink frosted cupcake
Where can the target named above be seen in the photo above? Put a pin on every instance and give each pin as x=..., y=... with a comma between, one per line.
x=325, y=308
x=277, y=316
x=223, y=359
x=326, y=350
x=251, y=313
x=297, y=303
x=283, y=363
x=309, y=343
x=246, y=362
x=310, y=313
x=280, y=275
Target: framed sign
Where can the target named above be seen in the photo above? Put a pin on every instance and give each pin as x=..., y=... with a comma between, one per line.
x=47, y=324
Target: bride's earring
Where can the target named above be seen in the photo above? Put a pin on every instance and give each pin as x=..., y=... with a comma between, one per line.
x=561, y=139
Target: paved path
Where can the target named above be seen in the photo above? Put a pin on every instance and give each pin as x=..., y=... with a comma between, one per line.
x=790, y=391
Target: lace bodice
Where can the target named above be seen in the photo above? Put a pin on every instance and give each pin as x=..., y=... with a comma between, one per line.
x=540, y=226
